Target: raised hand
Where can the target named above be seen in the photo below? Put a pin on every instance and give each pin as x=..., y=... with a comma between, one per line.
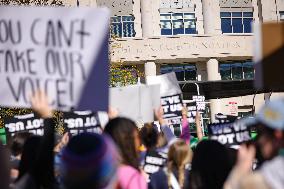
x=39, y=102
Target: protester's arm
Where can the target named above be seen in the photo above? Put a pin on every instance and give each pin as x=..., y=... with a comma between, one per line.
x=185, y=133
x=169, y=135
x=242, y=169
x=198, y=126
x=44, y=163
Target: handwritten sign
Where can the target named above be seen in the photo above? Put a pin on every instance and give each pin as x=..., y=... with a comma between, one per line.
x=61, y=51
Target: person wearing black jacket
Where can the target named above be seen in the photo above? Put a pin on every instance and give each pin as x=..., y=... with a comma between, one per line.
x=39, y=174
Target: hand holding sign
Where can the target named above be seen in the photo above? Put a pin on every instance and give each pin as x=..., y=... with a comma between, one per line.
x=40, y=105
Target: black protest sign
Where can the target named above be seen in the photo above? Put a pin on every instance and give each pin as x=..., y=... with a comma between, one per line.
x=221, y=118
x=229, y=134
x=153, y=161
x=172, y=106
x=82, y=121
x=56, y=50
x=200, y=103
x=24, y=123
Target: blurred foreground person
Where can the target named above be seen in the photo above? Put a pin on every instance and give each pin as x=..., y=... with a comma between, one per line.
x=36, y=165
x=4, y=168
x=17, y=147
x=125, y=135
x=89, y=161
x=175, y=174
x=210, y=166
x=269, y=148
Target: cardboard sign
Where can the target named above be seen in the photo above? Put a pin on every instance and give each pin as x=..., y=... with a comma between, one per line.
x=82, y=121
x=136, y=102
x=168, y=83
x=268, y=56
x=232, y=109
x=229, y=134
x=76, y=122
x=24, y=123
x=62, y=51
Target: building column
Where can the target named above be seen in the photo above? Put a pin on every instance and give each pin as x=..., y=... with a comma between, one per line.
x=150, y=18
x=212, y=75
x=150, y=69
x=211, y=17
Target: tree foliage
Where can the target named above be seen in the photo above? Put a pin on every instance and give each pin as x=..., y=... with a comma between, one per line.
x=33, y=2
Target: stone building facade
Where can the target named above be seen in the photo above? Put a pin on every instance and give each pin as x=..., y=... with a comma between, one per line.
x=201, y=40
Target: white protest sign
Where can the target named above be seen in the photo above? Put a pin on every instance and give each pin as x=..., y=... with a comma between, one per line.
x=168, y=83
x=136, y=102
x=170, y=96
x=61, y=51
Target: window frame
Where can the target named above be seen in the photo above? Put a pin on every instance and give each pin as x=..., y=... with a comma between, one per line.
x=122, y=22
x=184, y=69
x=231, y=17
x=281, y=14
x=183, y=19
x=231, y=69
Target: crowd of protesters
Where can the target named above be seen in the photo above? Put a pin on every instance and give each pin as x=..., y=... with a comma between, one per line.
x=124, y=157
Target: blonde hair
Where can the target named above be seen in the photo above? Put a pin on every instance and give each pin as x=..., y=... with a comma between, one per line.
x=179, y=155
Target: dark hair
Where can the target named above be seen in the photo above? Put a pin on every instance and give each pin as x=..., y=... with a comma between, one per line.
x=121, y=130
x=29, y=156
x=18, y=141
x=4, y=168
x=149, y=136
x=210, y=165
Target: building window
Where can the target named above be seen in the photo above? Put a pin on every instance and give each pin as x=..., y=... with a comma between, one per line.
x=236, y=70
x=184, y=72
x=122, y=26
x=236, y=22
x=177, y=23
x=281, y=15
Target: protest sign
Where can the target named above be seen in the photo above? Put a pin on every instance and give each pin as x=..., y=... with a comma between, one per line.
x=75, y=122
x=24, y=123
x=62, y=51
x=136, y=102
x=153, y=161
x=229, y=134
x=170, y=92
x=168, y=83
x=221, y=118
x=196, y=104
x=172, y=106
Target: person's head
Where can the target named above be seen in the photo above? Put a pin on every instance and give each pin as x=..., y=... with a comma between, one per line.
x=18, y=141
x=178, y=156
x=29, y=155
x=210, y=165
x=149, y=136
x=125, y=134
x=89, y=161
x=270, y=129
x=4, y=168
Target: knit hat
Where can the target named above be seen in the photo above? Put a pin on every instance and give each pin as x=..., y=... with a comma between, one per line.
x=89, y=161
x=272, y=114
